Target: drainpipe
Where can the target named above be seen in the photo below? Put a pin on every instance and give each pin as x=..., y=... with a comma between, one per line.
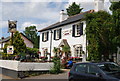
x=51, y=43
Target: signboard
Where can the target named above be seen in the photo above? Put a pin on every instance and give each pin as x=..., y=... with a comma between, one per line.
x=67, y=32
x=10, y=50
x=12, y=25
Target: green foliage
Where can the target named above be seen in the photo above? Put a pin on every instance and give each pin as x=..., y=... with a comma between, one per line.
x=18, y=43
x=55, y=50
x=66, y=50
x=73, y=9
x=103, y=32
x=31, y=33
x=114, y=6
x=6, y=56
x=57, y=66
x=5, y=47
x=99, y=35
x=32, y=51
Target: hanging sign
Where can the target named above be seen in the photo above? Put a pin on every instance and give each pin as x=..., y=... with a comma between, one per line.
x=10, y=50
x=12, y=25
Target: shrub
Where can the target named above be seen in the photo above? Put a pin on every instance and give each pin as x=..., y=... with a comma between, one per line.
x=56, y=67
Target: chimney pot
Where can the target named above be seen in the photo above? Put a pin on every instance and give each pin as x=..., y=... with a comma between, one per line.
x=63, y=16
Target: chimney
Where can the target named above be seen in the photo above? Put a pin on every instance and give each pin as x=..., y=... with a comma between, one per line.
x=99, y=5
x=2, y=38
x=63, y=16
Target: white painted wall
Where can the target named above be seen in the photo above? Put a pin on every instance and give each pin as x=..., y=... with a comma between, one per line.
x=1, y=45
x=71, y=40
x=99, y=5
x=27, y=42
x=25, y=66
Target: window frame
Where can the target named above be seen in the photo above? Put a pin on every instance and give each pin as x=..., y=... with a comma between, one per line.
x=45, y=36
x=57, y=34
x=77, y=29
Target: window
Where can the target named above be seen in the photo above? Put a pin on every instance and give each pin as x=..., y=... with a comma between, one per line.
x=92, y=69
x=45, y=36
x=81, y=68
x=77, y=30
x=57, y=34
x=78, y=51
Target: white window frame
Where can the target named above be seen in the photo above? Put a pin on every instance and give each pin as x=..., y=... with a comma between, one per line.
x=57, y=34
x=45, y=36
x=77, y=30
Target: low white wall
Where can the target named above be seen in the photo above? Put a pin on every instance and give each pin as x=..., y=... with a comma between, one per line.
x=9, y=64
x=34, y=66
x=25, y=66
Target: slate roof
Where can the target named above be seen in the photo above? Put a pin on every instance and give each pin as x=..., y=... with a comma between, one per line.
x=8, y=38
x=5, y=39
x=67, y=21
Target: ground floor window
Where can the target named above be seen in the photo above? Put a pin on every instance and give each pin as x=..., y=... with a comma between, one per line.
x=78, y=50
x=45, y=52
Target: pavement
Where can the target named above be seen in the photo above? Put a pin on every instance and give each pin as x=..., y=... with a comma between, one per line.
x=63, y=75
x=5, y=77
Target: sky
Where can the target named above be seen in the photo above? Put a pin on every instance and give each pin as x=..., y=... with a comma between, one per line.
x=40, y=13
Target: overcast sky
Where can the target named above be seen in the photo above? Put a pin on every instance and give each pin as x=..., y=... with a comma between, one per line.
x=40, y=13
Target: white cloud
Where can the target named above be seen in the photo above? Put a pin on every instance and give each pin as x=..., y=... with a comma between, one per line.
x=30, y=10
x=88, y=4
x=34, y=0
x=27, y=24
x=3, y=24
x=38, y=26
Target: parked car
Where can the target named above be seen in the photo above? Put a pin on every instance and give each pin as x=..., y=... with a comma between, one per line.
x=104, y=71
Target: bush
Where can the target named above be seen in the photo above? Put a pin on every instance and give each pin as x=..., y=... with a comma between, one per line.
x=57, y=66
x=32, y=51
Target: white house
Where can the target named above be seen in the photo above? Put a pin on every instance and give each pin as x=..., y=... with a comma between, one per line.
x=68, y=31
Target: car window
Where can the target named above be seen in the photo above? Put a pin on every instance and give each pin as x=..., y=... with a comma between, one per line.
x=109, y=67
x=92, y=69
x=81, y=68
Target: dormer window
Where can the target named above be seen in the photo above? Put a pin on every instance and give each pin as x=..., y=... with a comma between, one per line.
x=45, y=36
x=77, y=30
x=57, y=34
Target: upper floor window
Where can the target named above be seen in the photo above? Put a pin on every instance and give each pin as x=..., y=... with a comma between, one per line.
x=45, y=36
x=77, y=30
x=57, y=34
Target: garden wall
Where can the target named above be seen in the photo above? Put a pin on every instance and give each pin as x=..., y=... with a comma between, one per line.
x=13, y=67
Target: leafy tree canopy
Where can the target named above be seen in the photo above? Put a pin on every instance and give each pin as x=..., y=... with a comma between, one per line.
x=99, y=35
x=31, y=33
x=18, y=43
x=114, y=6
x=73, y=9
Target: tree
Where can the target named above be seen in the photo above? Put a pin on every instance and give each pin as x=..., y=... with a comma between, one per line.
x=31, y=33
x=55, y=50
x=18, y=43
x=66, y=50
x=103, y=32
x=99, y=35
x=73, y=9
x=115, y=8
